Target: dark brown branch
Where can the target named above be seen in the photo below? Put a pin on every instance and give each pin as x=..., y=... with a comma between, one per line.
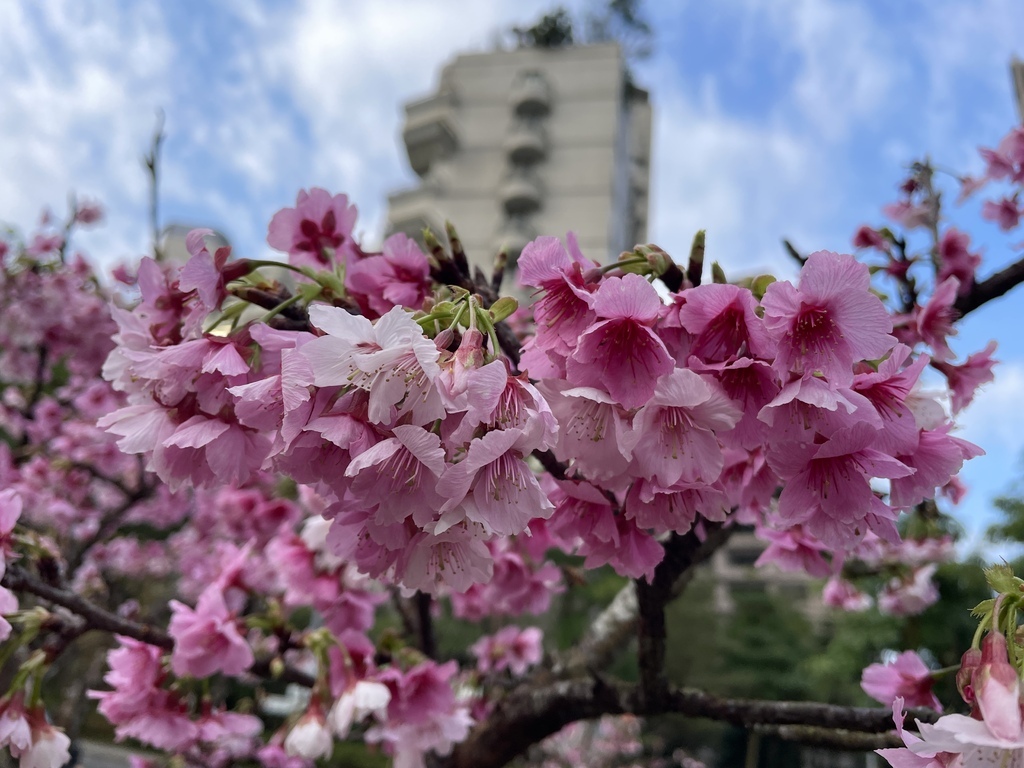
x=991, y=288
x=791, y=250
x=753, y=712
x=530, y=714
x=681, y=554
x=20, y=580
x=93, y=617
x=425, y=624
x=831, y=738
x=610, y=631
x=554, y=467
x=270, y=300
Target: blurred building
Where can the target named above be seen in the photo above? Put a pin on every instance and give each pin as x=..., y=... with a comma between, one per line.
x=519, y=143
x=734, y=574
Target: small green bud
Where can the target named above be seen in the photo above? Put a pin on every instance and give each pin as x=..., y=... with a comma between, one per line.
x=759, y=285
x=503, y=308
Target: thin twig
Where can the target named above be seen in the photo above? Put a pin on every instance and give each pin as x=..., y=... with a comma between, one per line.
x=152, y=163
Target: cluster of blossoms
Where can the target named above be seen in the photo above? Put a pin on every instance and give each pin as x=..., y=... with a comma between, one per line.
x=288, y=460
x=417, y=431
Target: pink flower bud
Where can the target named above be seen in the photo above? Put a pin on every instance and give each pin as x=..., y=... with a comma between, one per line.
x=997, y=687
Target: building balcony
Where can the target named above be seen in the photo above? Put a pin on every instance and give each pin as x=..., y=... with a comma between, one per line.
x=530, y=95
x=413, y=210
x=520, y=192
x=526, y=142
x=430, y=130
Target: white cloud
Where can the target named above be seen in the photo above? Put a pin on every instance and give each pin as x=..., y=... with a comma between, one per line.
x=740, y=181
x=81, y=84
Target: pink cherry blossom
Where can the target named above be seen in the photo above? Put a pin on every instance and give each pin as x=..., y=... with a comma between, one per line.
x=399, y=476
x=906, y=676
x=839, y=593
x=674, y=436
x=317, y=232
x=965, y=379
x=724, y=323
x=563, y=310
x=827, y=485
x=592, y=431
x=1005, y=212
x=209, y=275
x=829, y=322
x=997, y=688
x=398, y=277
x=392, y=360
x=206, y=638
x=493, y=486
x=510, y=648
x=956, y=260
x=621, y=354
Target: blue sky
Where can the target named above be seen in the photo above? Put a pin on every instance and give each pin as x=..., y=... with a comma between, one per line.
x=772, y=118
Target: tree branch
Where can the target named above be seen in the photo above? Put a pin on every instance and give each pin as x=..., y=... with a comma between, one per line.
x=529, y=714
x=425, y=624
x=609, y=633
x=96, y=618
x=20, y=580
x=991, y=288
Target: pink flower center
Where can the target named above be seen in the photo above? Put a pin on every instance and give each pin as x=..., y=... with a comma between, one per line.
x=815, y=330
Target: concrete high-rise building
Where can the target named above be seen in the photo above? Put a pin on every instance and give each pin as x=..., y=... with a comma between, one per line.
x=531, y=141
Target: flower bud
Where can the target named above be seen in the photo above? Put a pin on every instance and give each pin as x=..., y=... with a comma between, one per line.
x=997, y=688
x=968, y=666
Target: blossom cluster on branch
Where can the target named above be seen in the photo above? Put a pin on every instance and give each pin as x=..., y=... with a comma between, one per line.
x=254, y=480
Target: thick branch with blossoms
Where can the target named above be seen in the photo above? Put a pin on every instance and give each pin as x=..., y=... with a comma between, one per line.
x=391, y=431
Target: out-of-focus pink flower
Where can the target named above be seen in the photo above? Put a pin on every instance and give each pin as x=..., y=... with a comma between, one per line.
x=10, y=511
x=49, y=747
x=965, y=379
x=361, y=700
x=840, y=593
x=317, y=232
x=510, y=648
x=1005, y=212
x=399, y=276
x=908, y=213
x=866, y=237
x=907, y=597
x=793, y=550
x=88, y=212
x=934, y=321
x=956, y=260
x=907, y=676
x=206, y=639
